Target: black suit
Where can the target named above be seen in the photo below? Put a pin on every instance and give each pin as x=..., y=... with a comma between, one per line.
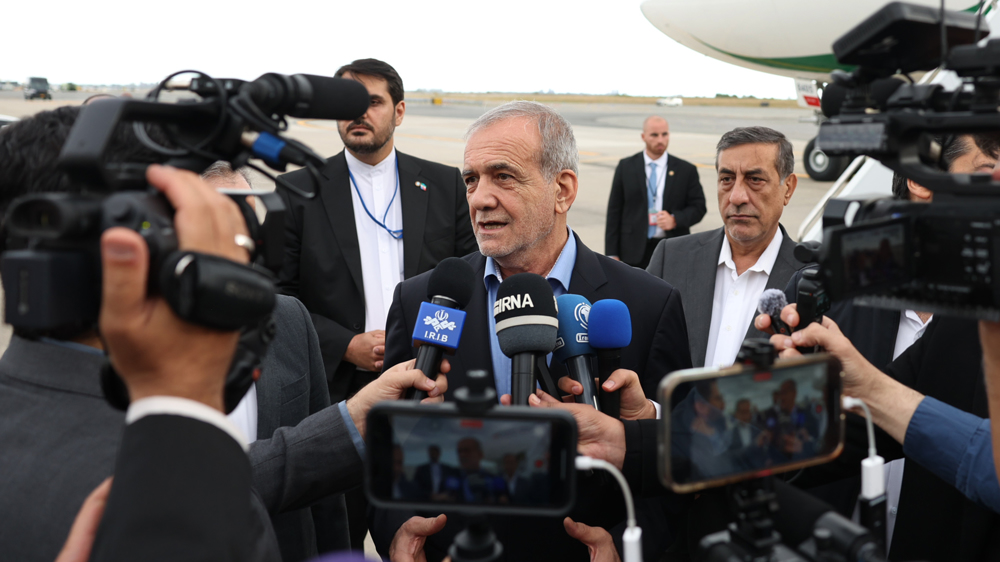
x=323, y=261
x=425, y=480
x=625, y=233
x=180, y=493
x=659, y=346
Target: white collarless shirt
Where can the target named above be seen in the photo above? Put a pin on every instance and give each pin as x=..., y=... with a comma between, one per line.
x=244, y=416
x=661, y=181
x=735, y=301
x=381, y=254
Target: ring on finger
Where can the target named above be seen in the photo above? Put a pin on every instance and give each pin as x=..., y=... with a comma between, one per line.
x=245, y=242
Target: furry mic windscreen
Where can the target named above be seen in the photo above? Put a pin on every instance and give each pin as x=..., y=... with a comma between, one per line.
x=772, y=301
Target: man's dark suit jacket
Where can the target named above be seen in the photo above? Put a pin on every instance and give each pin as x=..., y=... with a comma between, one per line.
x=690, y=264
x=179, y=493
x=58, y=434
x=659, y=346
x=625, y=232
x=425, y=480
x=322, y=266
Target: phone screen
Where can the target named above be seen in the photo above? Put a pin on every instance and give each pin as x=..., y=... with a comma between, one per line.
x=742, y=423
x=440, y=457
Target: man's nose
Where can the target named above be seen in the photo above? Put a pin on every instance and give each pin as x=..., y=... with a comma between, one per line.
x=740, y=194
x=483, y=197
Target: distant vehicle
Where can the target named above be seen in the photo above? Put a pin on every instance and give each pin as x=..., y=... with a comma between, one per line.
x=7, y=120
x=37, y=88
x=670, y=102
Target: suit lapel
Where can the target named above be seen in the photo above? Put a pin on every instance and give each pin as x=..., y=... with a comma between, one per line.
x=268, y=396
x=639, y=177
x=336, y=195
x=699, y=295
x=668, y=182
x=414, y=201
x=477, y=340
x=588, y=275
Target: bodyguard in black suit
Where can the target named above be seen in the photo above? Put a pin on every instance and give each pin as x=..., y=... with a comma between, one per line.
x=651, y=177
x=520, y=187
x=379, y=216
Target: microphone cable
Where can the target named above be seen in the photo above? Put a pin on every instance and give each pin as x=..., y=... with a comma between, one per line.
x=632, y=539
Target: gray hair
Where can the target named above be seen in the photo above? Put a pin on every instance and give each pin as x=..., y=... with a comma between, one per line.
x=558, y=143
x=222, y=170
x=784, y=163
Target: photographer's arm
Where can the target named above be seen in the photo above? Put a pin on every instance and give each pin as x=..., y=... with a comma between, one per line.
x=954, y=445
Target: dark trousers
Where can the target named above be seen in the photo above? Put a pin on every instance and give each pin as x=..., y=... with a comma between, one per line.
x=651, y=244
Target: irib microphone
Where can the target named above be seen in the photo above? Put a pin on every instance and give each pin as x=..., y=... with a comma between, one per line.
x=527, y=327
x=609, y=330
x=438, y=328
x=573, y=345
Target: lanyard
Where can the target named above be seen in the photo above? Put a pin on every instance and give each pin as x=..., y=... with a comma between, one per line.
x=652, y=189
x=396, y=234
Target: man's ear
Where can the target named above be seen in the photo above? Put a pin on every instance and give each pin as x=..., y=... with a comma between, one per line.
x=400, y=111
x=791, y=182
x=918, y=192
x=567, y=185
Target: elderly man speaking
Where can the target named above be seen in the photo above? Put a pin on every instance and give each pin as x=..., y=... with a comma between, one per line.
x=521, y=178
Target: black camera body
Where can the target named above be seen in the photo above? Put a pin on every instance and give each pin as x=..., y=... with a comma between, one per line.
x=52, y=282
x=895, y=254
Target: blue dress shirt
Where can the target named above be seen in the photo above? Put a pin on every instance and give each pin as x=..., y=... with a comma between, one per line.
x=956, y=447
x=559, y=278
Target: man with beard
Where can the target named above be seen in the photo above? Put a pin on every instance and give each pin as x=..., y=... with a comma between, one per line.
x=379, y=216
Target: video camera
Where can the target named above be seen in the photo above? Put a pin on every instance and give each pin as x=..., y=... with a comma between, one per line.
x=54, y=282
x=739, y=426
x=896, y=254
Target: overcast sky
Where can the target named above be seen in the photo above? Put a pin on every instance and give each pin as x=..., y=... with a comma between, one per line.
x=588, y=46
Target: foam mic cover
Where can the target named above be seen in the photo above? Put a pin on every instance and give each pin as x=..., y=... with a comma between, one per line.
x=335, y=98
x=610, y=325
x=573, y=339
x=453, y=279
x=525, y=314
x=833, y=99
x=882, y=89
x=772, y=302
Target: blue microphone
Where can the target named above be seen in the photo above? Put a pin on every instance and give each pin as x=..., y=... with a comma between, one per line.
x=573, y=345
x=609, y=330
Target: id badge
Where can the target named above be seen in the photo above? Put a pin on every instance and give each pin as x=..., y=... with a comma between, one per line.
x=652, y=218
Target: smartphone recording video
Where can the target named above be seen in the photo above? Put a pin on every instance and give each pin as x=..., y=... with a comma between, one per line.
x=435, y=457
x=726, y=425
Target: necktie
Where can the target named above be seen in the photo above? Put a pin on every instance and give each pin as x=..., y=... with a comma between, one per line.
x=651, y=196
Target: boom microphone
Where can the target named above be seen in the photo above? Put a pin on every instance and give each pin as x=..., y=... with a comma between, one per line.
x=309, y=96
x=527, y=327
x=438, y=328
x=573, y=345
x=609, y=330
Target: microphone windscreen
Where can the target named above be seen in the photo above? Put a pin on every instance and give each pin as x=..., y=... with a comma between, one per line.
x=883, y=88
x=610, y=325
x=772, y=301
x=833, y=98
x=573, y=340
x=334, y=98
x=452, y=278
x=798, y=513
x=525, y=314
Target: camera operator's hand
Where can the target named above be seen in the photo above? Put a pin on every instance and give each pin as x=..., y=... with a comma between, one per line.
x=80, y=541
x=392, y=385
x=634, y=404
x=408, y=543
x=154, y=351
x=367, y=350
x=599, y=542
x=599, y=436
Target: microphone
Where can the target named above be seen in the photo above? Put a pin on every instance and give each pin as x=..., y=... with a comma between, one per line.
x=801, y=515
x=438, y=328
x=573, y=345
x=772, y=302
x=527, y=327
x=309, y=96
x=609, y=330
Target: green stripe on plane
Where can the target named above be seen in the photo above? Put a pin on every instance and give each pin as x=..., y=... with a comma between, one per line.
x=975, y=8
x=814, y=63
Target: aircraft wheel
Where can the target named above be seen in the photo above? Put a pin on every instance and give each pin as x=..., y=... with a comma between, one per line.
x=822, y=167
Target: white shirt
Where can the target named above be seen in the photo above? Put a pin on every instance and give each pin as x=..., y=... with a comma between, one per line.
x=735, y=302
x=244, y=416
x=381, y=254
x=661, y=181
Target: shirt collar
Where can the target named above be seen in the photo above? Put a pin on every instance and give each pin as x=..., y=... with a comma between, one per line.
x=561, y=272
x=358, y=167
x=764, y=263
x=660, y=162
